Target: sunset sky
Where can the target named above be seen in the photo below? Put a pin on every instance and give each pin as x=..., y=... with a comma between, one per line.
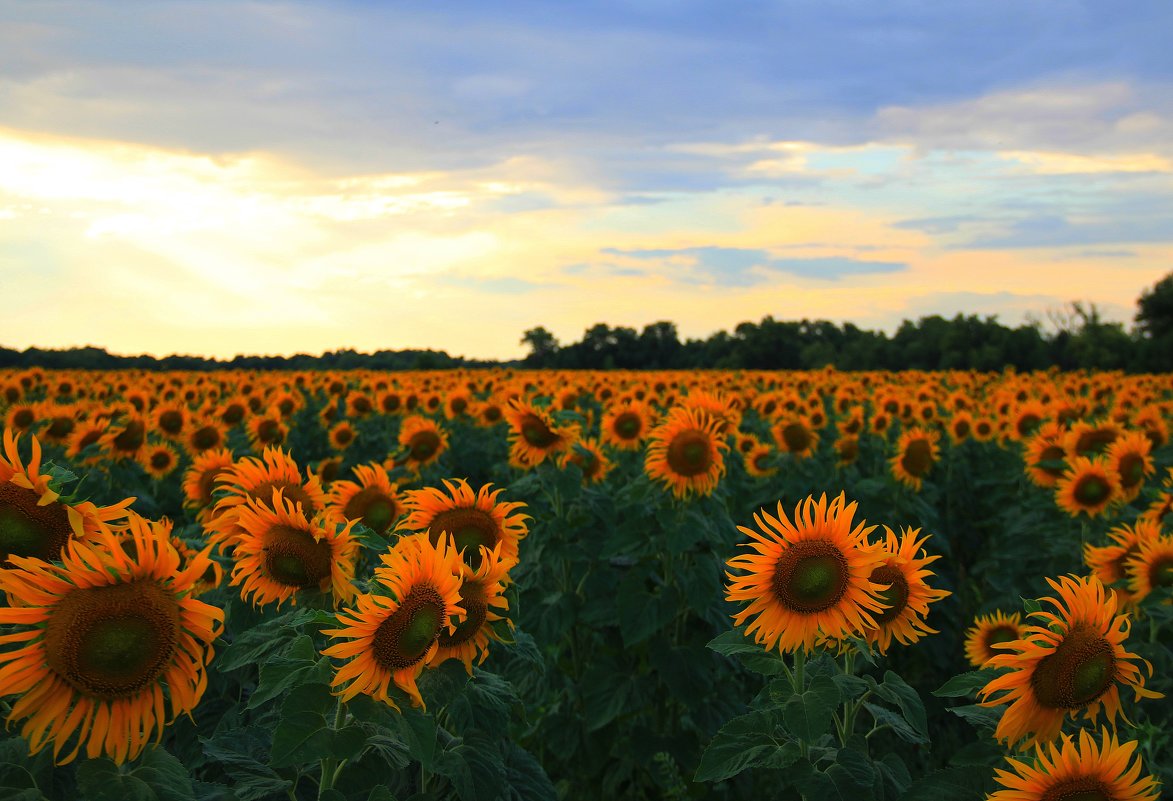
x=216, y=178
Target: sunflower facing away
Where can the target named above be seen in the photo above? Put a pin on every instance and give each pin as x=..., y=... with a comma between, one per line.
x=685, y=452
x=482, y=594
x=473, y=519
x=1083, y=772
x=98, y=639
x=1071, y=664
x=809, y=577
x=988, y=631
x=390, y=638
x=907, y=595
x=281, y=553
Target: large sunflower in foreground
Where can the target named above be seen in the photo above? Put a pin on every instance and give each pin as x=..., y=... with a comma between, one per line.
x=98, y=639
x=390, y=638
x=1088, y=487
x=989, y=631
x=472, y=519
x=1083, y=772
x=281, y=553
x=809, y=577
x=685, y=452
x=33, y=519
x=907, y=595
x=482, y=594
x=1070, y=665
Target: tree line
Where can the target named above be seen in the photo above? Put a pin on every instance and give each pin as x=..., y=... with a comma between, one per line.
x=1076, y=337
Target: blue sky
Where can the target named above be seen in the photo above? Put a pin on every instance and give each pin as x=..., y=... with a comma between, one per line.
x=219, y=177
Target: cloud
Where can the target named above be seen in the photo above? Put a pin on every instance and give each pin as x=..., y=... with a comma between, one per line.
x=742, y=267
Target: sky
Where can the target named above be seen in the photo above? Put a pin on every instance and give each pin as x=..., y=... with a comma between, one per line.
x=216, y=178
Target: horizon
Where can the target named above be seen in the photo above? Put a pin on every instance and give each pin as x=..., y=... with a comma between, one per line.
x=222, y=179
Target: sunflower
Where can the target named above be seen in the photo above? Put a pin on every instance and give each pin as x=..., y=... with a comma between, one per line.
x=169, y=420
x=589, y=458
x=21, y=417
x=127, y=438
x=1109, y=562
x=1087, y=487
x=685, y=452
x=342, y=436
x=795, y=435
x=1090, y=439
x=984, y=429
x=472, y=519
x=1128, y=457
x=61, y=421
x=390, y=638
x=482, y=594
x=33, y=520
x=328, y=470
x=807, y=578
x=200, y=479
x=280, y=552
x=204, y=435
x=988, y=631
x=533, y=436
x=759, y=462
x=847, y=449
x=960, y=427
x=267, y=428
x=231, y=412
x=1151, y=567
x=252, y=479
x=1071, y=664
x=1070, y=772
x=100, y=636
x=457, y=404
x=1045, y=455
x=625, y=425
x=488, y=413
x=724, y=409
x=359, y=405
x=373, y=500
x=424, y=441
x=908, y=595
x=916, y=453
x=159, y=460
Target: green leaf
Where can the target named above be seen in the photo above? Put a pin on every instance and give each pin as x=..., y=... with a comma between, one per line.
x=239, y=752
x=524, y=777
x=418, y=731
x=808, y=716
x=1031, y=605
x=281, y=675
x=735, y=644
x=300, y=738
x=895, y=689
x=474, y=767
x=745, y=742
x=896, y=722
x=158, y=776
x=850, y=686
x=606, y=694
x=983, y=717
x=951, y=784
x=381, y=793
x=964, y=685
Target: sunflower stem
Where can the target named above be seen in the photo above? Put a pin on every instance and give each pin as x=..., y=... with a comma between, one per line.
x=330, y=768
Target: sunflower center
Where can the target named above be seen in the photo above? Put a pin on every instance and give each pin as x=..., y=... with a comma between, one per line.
x=269, y=431
x=114, y=641
x=470, y=529
x=961, y=428
x=1131, y=470
x=27, y=529
x=796, y=437
x=23, y=418
x=405, y=636
x=295, y=558
x=1161, y=573
x=60, y=428
x=294, y=493
x=205, y=437
x=492, y=413
x=895, y=595
x=688, y=453
x=627, y=425
x=917, y=458
x=1001, y=634
x=1091, y=490
x=1078, y=672
x=160, y=460
x=1052, y=453
x=1082, y=789
x=472, y=598
x=536, y=432
x=374, y=507
x=423, y=445
x=810, y=576
x=233, y=414
x=131, y=438
x=761, y=461
x=171, y=421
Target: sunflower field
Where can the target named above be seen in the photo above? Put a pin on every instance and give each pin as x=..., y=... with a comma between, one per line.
x=530, y=585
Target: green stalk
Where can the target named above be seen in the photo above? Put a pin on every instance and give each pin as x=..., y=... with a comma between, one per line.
x=330, y=768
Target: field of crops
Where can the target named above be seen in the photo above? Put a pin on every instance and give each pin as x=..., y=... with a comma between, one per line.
x=503, y=584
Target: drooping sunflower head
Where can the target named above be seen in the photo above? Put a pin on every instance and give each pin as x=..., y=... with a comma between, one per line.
x=907, y=593
x=1088, y=771
x=916, y=453
x=960, y=426
x=126, y=438
x=373, y=499
x=686, y=452
x=423, y=439
x=1087, y=487
x=281, y=553
x=847, y=449
x=1071, y=665
x=389, y=638
x=100, y=637
x=473, y=520
x=989, y=631
x=807, y=578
